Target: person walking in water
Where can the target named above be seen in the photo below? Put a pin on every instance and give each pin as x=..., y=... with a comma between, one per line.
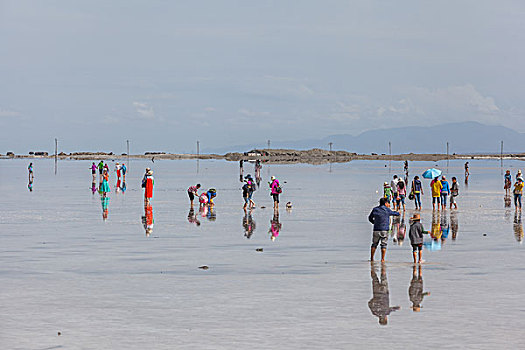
x=401, y=194
x=30, y=171
x=117, y=170
x=445, y=192
x=104, y=188
x=454, y=192
x=241, y=169
x=417, y=190
x=416, y=237
x=148, y=189
x=467, y=172
x=393, y=186
x=275, y=191
x=508, y=183
x=380, y=218
x=94, y=172
x=124, y=169
x=100, y=169
x=436, y=186
x=518, y=192
x=192, y=193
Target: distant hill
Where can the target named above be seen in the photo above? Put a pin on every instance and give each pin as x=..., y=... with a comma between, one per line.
x=465, y=137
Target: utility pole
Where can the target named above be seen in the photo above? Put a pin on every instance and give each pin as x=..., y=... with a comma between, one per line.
x=390, y=159
x=56, y=154
x=127, y=148
x=501, y=156
x=447, y=157
x=268, y=144
x=330, y=144
x=198, y=147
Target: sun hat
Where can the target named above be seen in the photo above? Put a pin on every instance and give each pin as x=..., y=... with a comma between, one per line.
x=148, y=169
x=150, y=172
x=386, y=184
x=272, y=178
x=416, y=217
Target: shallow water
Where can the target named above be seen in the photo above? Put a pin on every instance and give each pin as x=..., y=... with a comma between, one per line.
x=106, y=284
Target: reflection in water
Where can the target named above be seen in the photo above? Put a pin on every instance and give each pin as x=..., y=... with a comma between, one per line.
x=123, y=186
x=445, y=228
x=415, y=290
x=248, y=223
x=399, y=229
x=105, y=207
x=518, y=226
x=192, y=217
x=454, y=224
x=147, y=219
x=380, y=303
x=30, y=185
x=275, y=225
x=435, y=233
x=508, y=201
x=212, y=214
x=93, y=188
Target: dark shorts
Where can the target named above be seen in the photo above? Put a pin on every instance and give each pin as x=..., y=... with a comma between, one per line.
x=436, y=199
x=100, y=171
x=93, y=172
x=191, y=195
x=416, y=247
x=275, y=197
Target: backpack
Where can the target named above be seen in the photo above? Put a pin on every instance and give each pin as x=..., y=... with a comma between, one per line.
x=278, y=189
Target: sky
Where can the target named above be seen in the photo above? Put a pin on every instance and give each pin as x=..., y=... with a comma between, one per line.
x=164, y=74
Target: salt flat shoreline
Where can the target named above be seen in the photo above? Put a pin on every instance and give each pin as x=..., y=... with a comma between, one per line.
x=314, y=156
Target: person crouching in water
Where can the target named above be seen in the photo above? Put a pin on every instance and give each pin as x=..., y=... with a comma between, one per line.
x=416, y=238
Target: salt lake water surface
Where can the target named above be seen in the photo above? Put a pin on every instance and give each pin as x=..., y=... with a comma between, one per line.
x=112, y=274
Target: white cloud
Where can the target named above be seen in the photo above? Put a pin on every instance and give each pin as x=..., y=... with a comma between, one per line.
x=250, y=113
x=4, y=113
x=456, y=98
x=144, y=110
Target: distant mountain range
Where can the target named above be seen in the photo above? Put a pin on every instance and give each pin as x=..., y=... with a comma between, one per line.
x=465, y=137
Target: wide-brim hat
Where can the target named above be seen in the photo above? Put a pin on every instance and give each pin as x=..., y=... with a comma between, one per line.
x=150, y=172
x=416, y=217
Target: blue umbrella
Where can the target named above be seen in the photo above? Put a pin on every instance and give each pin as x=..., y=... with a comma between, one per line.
x=431, y=173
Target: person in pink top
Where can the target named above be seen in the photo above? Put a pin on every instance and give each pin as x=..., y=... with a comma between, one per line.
x=275, y=191
x=401, y=193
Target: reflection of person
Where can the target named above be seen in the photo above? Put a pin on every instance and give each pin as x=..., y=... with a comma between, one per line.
x=105, y=207
x=275, y=225
x=248, y=224
x=211, y=215
x=241, y=169
x=192, y=217
x=380, y=303
x=445, y=228
x=415, y=290
x=518, y=227
x=147, y=219
x=30, y=185
x=454, y=224
x=380, y=217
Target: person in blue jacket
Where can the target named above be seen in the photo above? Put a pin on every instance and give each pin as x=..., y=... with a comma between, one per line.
x=380, y=218
x=445, y=192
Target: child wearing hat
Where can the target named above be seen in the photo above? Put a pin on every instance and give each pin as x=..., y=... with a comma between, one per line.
x=387, y=192
x=416, y=237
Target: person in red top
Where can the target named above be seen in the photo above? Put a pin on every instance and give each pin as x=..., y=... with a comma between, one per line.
x=150, y=182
